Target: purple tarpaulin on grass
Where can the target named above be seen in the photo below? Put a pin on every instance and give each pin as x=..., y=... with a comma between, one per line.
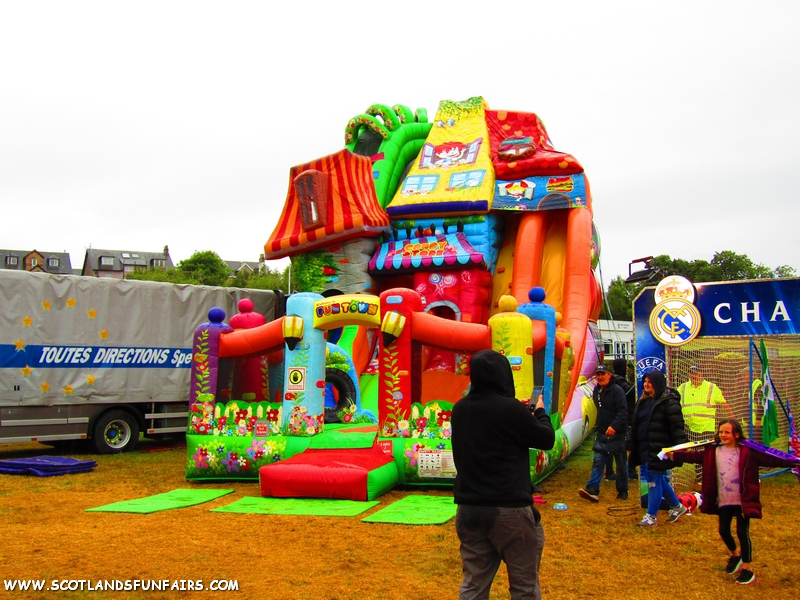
x=46, y=466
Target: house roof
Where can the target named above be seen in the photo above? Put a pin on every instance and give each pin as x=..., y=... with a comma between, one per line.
x=123, y=258
x=237, y=265
x=64, y=263
x=352, y=208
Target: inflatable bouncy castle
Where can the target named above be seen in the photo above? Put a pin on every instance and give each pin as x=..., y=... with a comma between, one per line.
x=416, y=245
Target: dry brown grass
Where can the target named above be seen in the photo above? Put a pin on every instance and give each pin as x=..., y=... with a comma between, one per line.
x=588, y=554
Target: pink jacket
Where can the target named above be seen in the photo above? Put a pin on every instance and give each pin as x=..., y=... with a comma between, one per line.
x=749, y=461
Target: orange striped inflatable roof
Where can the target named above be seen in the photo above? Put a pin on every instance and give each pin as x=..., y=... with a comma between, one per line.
x=351, y=207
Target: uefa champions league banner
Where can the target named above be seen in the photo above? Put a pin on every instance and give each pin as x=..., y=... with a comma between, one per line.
x=676, y=312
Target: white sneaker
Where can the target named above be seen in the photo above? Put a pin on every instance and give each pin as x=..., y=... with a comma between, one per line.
x=648, y=521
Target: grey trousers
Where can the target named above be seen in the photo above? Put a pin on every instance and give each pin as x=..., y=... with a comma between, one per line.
x=489, y=534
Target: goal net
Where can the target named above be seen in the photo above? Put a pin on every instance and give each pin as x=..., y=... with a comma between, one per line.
x=732, y=365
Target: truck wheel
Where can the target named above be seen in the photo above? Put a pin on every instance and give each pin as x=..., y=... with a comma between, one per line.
x=115, y=431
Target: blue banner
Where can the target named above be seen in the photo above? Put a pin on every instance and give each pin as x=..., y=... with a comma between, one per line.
x=753, y=308
x=736, y=308
x=110, y=357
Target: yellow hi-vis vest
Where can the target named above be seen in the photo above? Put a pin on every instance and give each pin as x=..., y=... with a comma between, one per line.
x=699, y=412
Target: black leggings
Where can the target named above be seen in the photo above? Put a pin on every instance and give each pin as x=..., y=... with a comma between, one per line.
x=726, y=515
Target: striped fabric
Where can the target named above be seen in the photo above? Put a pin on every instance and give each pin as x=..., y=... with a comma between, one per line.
x=443, y=250
x=353, y=209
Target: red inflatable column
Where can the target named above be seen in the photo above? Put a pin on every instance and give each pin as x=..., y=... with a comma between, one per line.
x=399, y=359
x=250, y=374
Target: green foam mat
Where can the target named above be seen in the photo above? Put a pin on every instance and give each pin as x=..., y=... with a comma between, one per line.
x=180, y=498
x=416, y=510
x=317, y=507
x=343, y=439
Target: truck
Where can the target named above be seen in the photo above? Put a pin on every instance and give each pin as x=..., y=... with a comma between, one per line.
x=102, y=359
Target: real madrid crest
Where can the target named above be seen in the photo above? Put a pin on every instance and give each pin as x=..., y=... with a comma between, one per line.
x=675, y=320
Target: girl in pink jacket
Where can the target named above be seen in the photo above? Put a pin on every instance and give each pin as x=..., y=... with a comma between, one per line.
x=731, y=489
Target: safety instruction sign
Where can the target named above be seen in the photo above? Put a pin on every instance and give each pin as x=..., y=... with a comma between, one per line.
x=436, y=463
x=296, y=380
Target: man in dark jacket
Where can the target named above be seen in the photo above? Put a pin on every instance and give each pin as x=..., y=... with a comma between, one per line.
x=496, y=519
x=657, y=424
x=612, y=426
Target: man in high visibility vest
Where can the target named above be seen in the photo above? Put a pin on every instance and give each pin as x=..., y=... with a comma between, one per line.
x=700, y=400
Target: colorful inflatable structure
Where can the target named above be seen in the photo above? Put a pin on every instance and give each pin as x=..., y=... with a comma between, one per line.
x=416, y=245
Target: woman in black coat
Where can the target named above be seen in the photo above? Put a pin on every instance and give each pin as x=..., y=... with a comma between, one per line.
x=657, y=423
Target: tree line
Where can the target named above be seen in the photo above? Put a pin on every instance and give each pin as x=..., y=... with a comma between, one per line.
x=724, y=266
x=207, y=268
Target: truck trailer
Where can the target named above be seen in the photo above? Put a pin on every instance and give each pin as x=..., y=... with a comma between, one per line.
x=102, y=359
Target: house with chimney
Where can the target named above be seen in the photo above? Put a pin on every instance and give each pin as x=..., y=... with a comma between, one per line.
x=36, y=261
x=118, y=263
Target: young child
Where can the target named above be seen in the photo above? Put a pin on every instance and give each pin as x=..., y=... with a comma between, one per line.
x=731, y=489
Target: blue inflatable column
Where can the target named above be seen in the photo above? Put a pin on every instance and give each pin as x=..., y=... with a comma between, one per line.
x=304, y=368
x=537, y=310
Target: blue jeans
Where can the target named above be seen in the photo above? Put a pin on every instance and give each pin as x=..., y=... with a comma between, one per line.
x=599, y=467
x=658, y=487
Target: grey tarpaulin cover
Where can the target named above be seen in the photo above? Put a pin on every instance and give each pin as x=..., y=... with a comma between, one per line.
x=67, y=340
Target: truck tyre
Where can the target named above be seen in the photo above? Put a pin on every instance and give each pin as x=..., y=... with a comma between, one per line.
x=115, y=431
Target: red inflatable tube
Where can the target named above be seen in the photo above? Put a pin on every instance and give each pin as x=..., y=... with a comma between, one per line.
x=249, y=341
x=451, y=335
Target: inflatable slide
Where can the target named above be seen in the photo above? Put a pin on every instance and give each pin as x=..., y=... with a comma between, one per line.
x=418, y=244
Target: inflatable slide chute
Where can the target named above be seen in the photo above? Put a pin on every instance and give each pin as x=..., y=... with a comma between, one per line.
x=392, y=138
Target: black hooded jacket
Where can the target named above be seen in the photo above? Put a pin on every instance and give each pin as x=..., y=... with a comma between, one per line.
x=664, y=427
x=492, y=434
x=630, y=394
x=620, y=377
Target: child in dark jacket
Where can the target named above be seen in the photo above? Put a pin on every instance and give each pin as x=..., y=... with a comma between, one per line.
x=731, y=489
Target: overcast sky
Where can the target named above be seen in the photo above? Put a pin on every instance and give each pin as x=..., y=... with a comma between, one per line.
x=131, y=125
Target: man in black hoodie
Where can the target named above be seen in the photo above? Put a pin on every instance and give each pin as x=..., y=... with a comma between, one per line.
x=612, y=427
x=496, y=519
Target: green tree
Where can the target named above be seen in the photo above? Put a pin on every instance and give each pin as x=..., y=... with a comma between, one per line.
x=733, y=267
x=619, y=300
x=724, y=266
x=201, y=268
x=308, y=273
x=241, y=279
x=267, y=279
x=163, y=275
x=205, y=268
